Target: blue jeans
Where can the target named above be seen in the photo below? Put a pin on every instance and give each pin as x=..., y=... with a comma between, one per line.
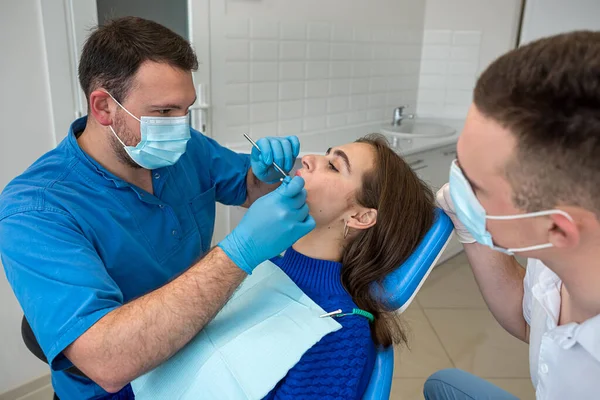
x=454, y=384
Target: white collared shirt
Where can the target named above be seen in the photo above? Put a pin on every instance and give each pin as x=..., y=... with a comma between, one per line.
x=564, y=361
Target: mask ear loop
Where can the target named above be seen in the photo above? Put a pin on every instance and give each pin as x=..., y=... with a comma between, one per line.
x=115, y=134
x=530, y=215
x=120, y=105
x=346, y=229
x=127, y=111
x=530, y=248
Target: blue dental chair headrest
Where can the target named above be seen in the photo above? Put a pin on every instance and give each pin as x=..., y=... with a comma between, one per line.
x=400, y=288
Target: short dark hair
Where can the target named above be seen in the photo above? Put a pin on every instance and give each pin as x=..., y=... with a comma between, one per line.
x=547, y=94
x=113, y=53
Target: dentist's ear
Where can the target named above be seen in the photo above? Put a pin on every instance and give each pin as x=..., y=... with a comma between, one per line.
x=364, y=219
x=565, y=232
x=102, y=107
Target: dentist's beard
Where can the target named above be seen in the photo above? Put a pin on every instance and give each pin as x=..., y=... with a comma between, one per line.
x=127, y=136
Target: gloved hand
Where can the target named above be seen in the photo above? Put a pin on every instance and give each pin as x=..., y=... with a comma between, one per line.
x=444, y=201
x=282, y=150
x=271, y=225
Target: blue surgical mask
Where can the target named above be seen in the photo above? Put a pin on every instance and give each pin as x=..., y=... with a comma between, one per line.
x=472, y=214
x=163, y=140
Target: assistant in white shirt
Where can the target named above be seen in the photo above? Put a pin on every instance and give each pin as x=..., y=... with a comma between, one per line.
x=564, y=360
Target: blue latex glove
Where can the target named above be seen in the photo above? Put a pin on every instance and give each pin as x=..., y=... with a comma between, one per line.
x=282, y=150
x=271, y=225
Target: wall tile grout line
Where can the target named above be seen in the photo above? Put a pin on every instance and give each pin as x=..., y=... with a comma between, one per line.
x=313, y=63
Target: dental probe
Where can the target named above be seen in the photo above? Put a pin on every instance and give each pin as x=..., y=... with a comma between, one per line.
x=277, y=167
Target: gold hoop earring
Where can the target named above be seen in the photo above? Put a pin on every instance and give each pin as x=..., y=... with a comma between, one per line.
x=346, y=229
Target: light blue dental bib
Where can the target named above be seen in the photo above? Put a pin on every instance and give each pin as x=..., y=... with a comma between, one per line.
x=258, y=336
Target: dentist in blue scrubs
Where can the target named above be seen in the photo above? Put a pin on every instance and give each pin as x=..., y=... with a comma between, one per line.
x=105, y=240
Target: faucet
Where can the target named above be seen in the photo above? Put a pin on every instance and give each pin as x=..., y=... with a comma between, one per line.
x=399, y=116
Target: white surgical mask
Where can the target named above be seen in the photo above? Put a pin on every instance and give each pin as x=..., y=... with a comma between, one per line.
x=472, y=214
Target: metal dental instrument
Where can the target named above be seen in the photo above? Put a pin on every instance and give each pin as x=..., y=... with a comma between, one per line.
x=277, y=167
x=331, y=314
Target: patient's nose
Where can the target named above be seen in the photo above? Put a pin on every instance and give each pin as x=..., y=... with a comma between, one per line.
x=308, y=162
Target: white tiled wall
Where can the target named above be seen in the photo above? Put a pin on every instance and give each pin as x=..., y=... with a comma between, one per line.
x=281, y=67
x=295, y=77
x=450, y=63
x=461, y=38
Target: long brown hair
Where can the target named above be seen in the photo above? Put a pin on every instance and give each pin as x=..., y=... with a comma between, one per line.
x=405, y=212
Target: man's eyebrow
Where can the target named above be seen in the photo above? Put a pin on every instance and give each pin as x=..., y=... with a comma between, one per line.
x=473, y=184
x=343, y=156
x=172, y=106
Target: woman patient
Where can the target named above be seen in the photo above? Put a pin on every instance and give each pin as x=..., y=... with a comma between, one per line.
x=371, y=212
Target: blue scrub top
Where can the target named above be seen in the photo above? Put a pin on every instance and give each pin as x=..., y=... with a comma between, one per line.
x=78, y=242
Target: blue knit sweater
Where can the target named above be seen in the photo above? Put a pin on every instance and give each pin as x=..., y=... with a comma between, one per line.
x=339, y=366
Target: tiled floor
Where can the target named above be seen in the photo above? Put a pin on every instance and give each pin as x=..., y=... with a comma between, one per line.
x=29, y=392
x=45, y=393
x=450, y=326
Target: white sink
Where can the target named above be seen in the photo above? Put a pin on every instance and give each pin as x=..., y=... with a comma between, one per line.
x=418, y=129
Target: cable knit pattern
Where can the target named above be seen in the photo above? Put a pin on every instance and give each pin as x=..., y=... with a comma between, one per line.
x=340, y=365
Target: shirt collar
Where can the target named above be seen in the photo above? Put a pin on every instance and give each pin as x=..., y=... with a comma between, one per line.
x=588, y=336
x=321, y=276
x=91, y=167
x=547, y=292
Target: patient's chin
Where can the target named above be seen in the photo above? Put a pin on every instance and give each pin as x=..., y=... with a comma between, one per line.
x=310, y=195
x=313, y=209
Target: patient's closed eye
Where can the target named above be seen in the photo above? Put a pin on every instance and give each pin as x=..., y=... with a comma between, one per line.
x=332, y=167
